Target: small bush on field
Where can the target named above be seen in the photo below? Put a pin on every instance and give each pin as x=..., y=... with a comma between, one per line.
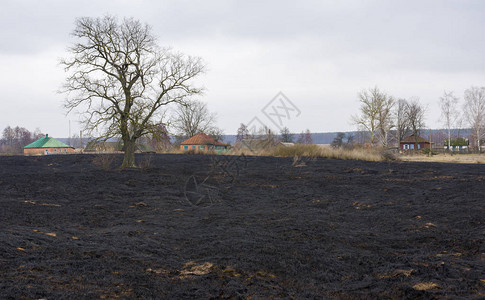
x=426, y=151
x=388, y=155
x=103, y=161
x=146, y=162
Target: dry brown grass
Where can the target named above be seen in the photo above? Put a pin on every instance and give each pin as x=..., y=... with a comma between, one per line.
x=104, y=161
x=301, y=150
x=145, y=163
x=447, y=158
x=329, y=152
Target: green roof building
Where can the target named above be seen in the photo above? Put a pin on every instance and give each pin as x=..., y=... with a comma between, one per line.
x=47, y=145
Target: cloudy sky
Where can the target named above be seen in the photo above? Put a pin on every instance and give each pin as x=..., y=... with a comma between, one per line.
x=319, y=54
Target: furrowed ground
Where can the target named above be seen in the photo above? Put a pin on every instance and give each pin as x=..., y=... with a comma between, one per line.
x=200, y=226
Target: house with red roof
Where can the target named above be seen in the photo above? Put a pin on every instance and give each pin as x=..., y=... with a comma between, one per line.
x=203, y=142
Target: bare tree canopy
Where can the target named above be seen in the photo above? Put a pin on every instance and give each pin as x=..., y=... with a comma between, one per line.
x=305, y=137
x=192, y=117
x=449, y=113
x=376, y=114
x=122, y=79
x=242, y=133
x=475, y=112
x=15, y=139
x=402, y=123
x=415, y=116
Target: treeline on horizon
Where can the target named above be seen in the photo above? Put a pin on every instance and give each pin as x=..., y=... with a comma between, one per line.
x=14, y=139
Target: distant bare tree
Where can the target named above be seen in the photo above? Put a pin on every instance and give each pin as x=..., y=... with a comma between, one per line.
x=242, y=133
x=305, y=137
x=159, y=139
x=15, y=139
x=8, y=136
x=286, y=135
x=475, y=112
x=216, y=133
x=338, y=141
x=119, y=76
x=449, y=113
x=415, y=116
x=376, y=114
x=37, y=134
x=192, y=117
x=402, y=122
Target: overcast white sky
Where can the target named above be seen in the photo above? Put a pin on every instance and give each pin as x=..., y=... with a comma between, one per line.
x=320, y=54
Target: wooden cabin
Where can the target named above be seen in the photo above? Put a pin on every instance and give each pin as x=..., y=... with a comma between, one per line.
x=413, y=142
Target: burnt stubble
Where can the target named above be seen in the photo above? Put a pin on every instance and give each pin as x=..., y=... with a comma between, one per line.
x=320, y=229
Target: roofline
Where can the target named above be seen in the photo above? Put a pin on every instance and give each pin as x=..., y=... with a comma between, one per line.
x=48, y=147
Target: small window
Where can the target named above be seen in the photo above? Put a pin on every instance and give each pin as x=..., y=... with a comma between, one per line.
x=419, y=146
x=412, y=146
x=186, y=147
x=193, y=147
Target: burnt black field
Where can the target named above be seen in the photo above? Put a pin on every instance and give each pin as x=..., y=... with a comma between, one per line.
x=211, y=227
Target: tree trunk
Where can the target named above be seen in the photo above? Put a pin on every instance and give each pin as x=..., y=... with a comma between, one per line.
x=129, y=157
x=449, y=140
x=478, y=141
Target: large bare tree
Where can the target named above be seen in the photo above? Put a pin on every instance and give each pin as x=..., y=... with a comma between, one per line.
x=475, y=112
x=376, y=116
x=121, y=78
x=449, y=113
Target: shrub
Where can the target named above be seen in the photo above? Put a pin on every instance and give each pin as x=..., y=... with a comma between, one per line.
x=426, y=151
x=103, y=161
x=389, y=155
x=146, y=162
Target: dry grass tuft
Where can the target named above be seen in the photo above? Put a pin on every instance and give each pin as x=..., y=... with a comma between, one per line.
x=145, y=163
x=103, y=161
x=424, y=286
x=447, y=158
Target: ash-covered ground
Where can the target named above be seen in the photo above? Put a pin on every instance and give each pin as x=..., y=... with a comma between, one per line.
x=202, y=227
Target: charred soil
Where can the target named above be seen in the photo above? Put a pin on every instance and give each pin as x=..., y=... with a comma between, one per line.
x=201, y=226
